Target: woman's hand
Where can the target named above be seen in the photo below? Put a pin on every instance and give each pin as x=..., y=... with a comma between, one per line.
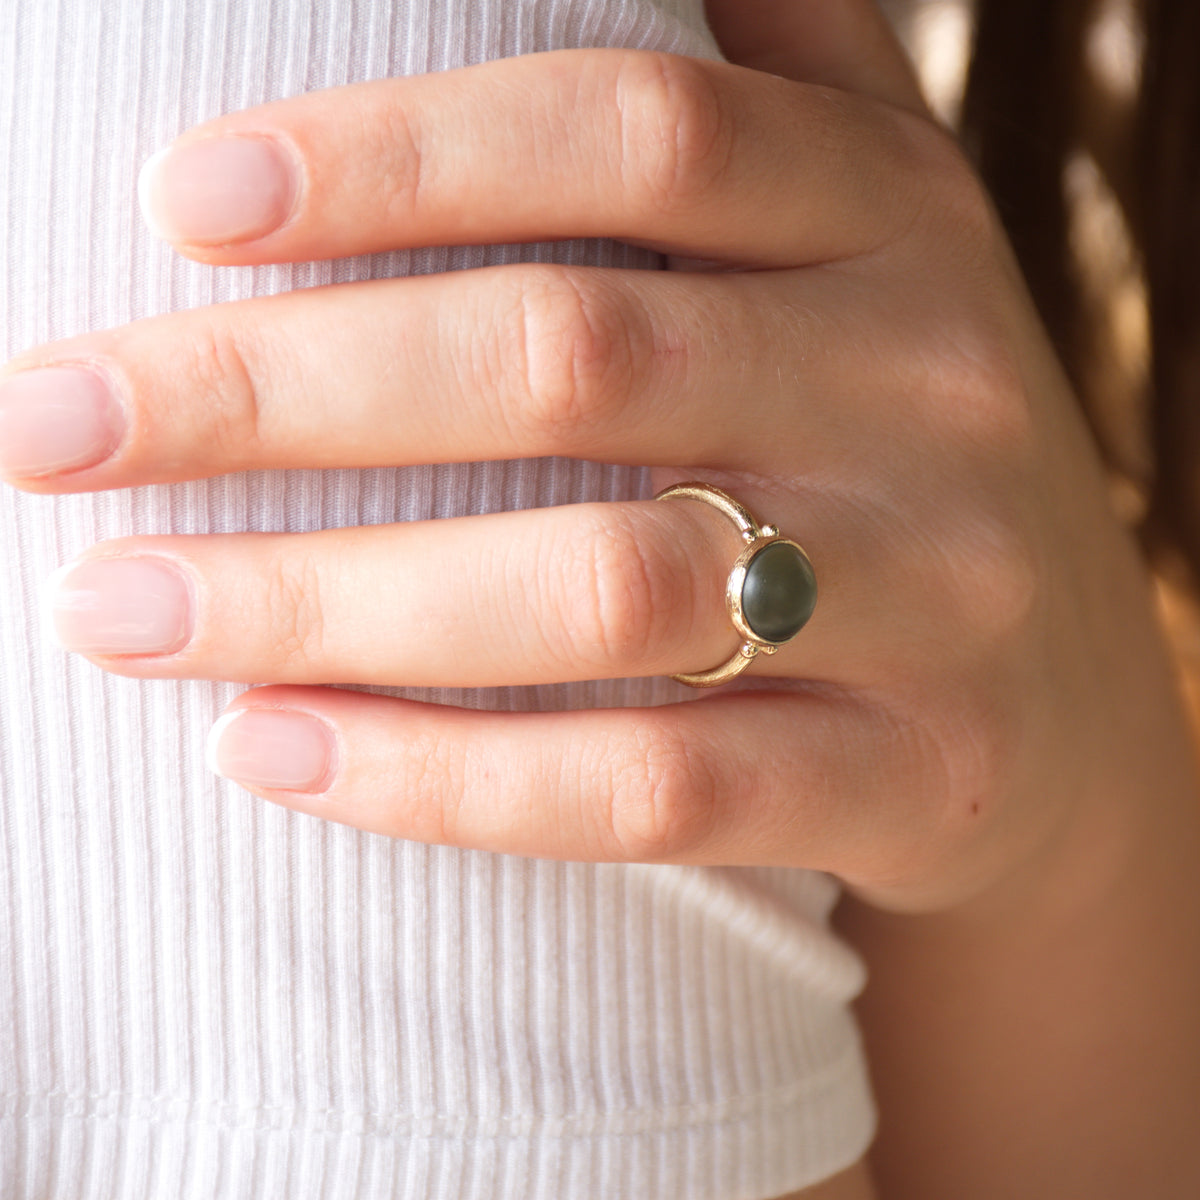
x=863, y=370
x=979, y=722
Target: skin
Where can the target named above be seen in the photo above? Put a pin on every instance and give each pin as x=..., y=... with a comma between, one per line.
x=852, y=1184
x=978, y=731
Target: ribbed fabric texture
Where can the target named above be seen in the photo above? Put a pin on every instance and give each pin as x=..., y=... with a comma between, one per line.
x=205, y=996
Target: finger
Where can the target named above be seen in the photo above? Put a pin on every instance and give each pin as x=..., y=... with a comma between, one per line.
x=578, y=592
x=697, y=158
x=778, y=778
x=847, y=45
x=511, y=362
x=590, y=591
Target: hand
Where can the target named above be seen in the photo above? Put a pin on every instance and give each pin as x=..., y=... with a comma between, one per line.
x=864, y=371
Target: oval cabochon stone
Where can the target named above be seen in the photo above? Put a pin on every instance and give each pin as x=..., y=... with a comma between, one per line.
x=779, y=592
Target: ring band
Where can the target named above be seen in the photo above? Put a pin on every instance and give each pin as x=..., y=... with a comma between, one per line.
x=771, y=591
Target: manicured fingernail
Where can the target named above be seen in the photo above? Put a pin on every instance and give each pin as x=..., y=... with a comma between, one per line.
x=121, y=606
x=273, y=748
x=57, y=419
x=219, y=190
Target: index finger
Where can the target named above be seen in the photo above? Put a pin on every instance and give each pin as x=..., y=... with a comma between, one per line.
x=692, y=157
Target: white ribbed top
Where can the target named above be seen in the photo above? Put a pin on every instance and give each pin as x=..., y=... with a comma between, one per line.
x=206, y=996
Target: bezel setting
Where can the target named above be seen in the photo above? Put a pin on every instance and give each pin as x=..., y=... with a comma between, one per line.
x=756, y=538
x=736, y=584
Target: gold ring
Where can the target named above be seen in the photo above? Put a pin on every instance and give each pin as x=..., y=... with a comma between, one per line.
x=771, y=592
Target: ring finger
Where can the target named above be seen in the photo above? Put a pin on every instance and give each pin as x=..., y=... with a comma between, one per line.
x=579, y=592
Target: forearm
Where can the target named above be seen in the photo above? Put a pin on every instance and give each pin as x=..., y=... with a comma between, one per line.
x=852, y=1184
x=1048, y=1044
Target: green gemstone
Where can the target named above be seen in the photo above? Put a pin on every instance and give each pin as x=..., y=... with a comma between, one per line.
x=779, y=592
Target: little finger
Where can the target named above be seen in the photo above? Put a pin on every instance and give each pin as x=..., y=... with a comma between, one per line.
x=766, y=778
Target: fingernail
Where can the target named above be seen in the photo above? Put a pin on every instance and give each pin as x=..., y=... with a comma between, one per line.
x=273, y=748
x=219, y=190
x=57, y=419
x=121, y=606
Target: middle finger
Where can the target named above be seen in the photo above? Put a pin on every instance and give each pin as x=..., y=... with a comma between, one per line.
x=634, y=367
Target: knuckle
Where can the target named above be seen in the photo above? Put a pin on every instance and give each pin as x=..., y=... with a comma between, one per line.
x=570, y=339
x=972, y=379
x=976, y=746
x=983, y=387
x=997, y=577
x=963, y=199
x=626, y=601
x=662, y=799
x=394, y=164
x=294, y=615
x=676, y=131
x=951, y=193
x=214, y=374
x=960, y=753
x=428, y=806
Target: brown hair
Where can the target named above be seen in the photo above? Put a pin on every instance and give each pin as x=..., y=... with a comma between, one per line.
x=1052, y=135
